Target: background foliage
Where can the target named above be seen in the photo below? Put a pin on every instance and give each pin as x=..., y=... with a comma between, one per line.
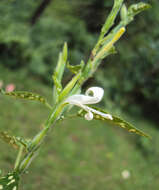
x=31, y=36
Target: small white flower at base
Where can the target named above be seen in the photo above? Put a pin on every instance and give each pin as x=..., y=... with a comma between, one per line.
x=125, y=174
x=88, y=116
x=92, y=96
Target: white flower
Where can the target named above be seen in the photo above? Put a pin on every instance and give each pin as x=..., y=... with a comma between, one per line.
x=92, y=96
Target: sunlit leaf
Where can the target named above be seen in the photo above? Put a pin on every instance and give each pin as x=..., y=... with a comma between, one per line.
x=117, y=121
x=10, y=181
x=27, y=96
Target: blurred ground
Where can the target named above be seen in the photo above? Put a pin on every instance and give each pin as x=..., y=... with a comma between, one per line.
x=78, y=154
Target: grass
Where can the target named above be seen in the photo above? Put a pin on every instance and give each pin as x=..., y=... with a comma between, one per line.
x=77, y=154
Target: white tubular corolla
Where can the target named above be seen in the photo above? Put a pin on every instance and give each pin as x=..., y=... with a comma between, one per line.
x=92, y=96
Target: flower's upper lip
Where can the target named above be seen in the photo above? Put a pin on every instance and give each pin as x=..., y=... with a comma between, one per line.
x=82, y=100
x=97, y=95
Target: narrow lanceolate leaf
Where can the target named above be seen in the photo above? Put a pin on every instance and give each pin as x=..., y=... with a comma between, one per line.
x=27, y=96
x=59, y=71
x=15, y=142
x=107, y=46
x=62, y=60
x=112, y=16
x=10, y=181
x=69, y=86
x=108, y=24
x=115, y=121
x=9, y=139
x=75, y=68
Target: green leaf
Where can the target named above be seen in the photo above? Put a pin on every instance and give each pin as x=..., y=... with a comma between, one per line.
x=57, y=84
x=65, y=52
x=28, y=96
x=109, y=44
x=136, y=9
x=21, y=141
x=69, y=86
x=11, y=140
x=111, y=51
x=15, y=142
x=58, y=73
x=62, y=60
x=112, y=16
x=108, y=24
x=61, y=63
x=75, y=68
x=123, y=12
x=10, y=181
x=117, y=121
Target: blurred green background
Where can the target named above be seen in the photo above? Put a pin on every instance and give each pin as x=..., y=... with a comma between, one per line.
x=79, y=154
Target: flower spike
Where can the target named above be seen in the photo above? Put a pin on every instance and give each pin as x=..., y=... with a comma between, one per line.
x=92, y=96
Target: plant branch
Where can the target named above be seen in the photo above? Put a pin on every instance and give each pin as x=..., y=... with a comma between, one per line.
x=18, y=157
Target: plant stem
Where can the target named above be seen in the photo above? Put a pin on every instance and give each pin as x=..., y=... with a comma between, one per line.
x=18, y=157
x=39, y=138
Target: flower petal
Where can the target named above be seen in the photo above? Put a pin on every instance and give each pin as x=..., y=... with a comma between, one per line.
x=93, y=96
x=97, y=94
x=107, y=116
x=89, y=114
